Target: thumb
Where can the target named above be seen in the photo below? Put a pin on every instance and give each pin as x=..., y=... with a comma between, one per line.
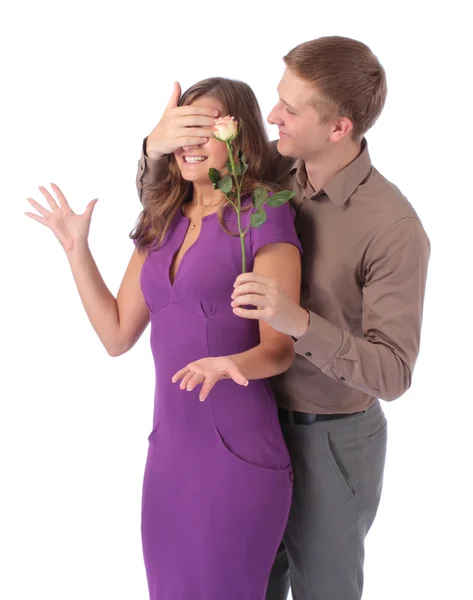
x=238, y=377
x=176, y=94
x=90, y=208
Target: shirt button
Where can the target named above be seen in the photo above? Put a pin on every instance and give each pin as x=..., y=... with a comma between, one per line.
x=308, y=353
x=342, y=378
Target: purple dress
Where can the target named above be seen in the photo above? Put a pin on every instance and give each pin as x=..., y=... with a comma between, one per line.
x=218, y=482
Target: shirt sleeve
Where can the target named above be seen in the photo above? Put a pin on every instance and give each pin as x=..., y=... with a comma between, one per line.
x=149, y=170
x=278, y=227
x=381, y=362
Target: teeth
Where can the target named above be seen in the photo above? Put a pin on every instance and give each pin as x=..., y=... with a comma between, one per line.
x=194, y=159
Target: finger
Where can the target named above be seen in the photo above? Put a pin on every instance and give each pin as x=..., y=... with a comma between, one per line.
x=250, y=314
x=250, y=288
x=238, y=377
x=180, y=374
x=208, y=384
x=251, y=300
x=176, y=94
x=195, y=121
x=90, y=208
x=193, y=132
x=186, y=379
x=49, y=199
x=192, y=142
x=60, y=195
x=42, y=211
x=37, y=218
x=196, y=110
x=254, y=278
x=194, y=380
x=187, y=148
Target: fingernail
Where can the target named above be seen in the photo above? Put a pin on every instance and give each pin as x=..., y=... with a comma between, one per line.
x=247, y=383
x=189, y=389
x=201, y=399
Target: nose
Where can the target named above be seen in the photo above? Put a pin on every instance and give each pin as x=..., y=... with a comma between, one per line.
x=274, y=118
x=189, y=148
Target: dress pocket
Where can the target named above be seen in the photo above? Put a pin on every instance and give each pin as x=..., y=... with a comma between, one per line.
x=242, y=462
x=337, y=465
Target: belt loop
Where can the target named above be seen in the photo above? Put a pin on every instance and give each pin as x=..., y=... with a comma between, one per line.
x=291, y=416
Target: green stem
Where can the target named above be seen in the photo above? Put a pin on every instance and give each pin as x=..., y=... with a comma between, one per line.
x=238, y=188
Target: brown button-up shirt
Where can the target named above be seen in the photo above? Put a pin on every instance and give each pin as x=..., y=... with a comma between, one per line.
x=364, y=272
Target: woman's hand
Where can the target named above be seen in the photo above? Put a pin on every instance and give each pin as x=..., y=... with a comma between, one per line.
x=208, y=371
x=69, y=228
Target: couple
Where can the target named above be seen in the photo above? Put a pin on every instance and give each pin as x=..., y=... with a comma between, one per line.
x=251, y=483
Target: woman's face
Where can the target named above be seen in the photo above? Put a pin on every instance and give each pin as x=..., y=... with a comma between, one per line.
x=194, y=162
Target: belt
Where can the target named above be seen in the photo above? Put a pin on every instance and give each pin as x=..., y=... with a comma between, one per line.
x=287, y=416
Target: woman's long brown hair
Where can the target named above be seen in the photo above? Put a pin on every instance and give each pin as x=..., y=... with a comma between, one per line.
x=163, y=199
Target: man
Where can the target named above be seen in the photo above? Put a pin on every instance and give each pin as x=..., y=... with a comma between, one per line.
x=357, y=331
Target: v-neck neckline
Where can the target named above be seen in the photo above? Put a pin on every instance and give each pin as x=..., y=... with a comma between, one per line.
x=182, y=219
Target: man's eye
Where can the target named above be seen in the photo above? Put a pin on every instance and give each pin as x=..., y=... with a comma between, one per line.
x=289, y=111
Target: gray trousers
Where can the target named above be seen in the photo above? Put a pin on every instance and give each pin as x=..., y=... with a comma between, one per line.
x=338, y=475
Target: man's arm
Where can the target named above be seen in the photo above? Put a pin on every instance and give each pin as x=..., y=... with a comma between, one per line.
x=380, y=363
x=150, y=170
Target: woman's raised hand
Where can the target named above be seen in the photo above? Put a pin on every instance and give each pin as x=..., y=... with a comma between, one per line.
x=69, y=228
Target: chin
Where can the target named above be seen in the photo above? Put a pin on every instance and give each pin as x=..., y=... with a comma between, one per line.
x=197, y=179
x=283, y=148
x=191, y=177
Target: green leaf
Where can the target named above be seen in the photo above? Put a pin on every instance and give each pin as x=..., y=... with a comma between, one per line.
x=258, y=197
x=243, y=163
x=258, y=218
x=232, y=196
x=214, y=176
x=225, y=185
x=279, y=198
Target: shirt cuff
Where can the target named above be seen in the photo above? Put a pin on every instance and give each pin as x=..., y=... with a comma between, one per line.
x=321, y=342
x=149, y=167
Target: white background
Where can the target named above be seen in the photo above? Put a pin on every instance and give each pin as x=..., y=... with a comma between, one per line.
x=82, y=84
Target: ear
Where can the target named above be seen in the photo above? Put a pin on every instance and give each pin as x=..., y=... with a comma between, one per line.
x=342, y=128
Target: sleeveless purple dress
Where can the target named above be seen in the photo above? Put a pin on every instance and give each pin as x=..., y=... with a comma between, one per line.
x=218, y=482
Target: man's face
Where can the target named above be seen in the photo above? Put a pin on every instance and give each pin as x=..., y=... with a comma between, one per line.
x=301, y=133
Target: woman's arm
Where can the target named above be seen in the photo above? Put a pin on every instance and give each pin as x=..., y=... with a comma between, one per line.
x=118, y=322
x=275, y=352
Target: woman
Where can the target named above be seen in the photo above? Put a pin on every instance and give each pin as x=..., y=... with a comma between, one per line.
x=218, y=483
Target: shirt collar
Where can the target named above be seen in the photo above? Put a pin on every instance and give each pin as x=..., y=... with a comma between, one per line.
x=343, y=184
